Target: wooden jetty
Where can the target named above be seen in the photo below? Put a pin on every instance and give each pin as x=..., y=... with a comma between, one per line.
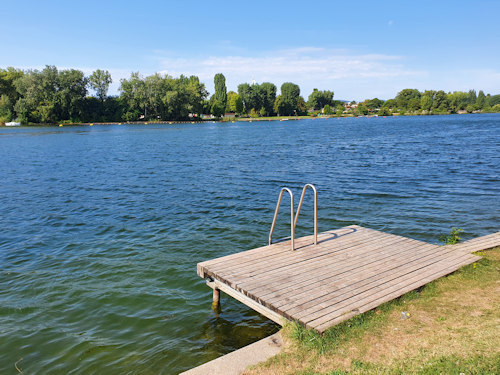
x=349, y=271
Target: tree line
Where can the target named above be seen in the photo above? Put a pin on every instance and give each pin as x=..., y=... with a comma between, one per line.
x=412, y=101
x=51, y=96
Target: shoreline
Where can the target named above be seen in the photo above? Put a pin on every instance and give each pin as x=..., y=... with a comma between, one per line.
x=231, y=120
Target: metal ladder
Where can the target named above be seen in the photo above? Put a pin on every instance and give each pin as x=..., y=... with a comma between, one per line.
x=294, y=218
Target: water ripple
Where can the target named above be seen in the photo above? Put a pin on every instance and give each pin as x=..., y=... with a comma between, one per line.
x=102, y=227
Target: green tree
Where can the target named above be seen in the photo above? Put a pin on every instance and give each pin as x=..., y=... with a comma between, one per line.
x=492, y=100
x=427, y=100
x=194, y=94
x=278, y=105
x=440, y=101
x=245, y=93
x=133, y=94
x=7, y=87
x=390, y=104
x=234, y=103
x=258, y=96
x=183, y=96
x=487, y=101
x=327, y=110
x=220, y=90
x=373, y=104
x=216, y=108
x=290, y=93
x=113, y=110
x=5, y=109
x=339, y=109
x=458, y=100
x=472, y=97
x=384, y=111
x=50, y=95
x=268, y=93
x=470, y=108
x=154, y=87
x=301, y=107
x=495, y=108
x=481, y=100
x=37, y=95
x=100, y=81
x=414, y=104
x=71, y=94
x=361, y=110
x=403, y=97
x=318, y=99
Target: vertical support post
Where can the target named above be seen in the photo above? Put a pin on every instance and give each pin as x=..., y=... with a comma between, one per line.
x=216, y=300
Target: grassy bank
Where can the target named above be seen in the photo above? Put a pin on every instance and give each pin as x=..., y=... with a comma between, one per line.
x=453, y=327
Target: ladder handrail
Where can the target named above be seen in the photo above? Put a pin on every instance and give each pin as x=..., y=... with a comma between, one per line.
x=292, y=221
x=315, y=210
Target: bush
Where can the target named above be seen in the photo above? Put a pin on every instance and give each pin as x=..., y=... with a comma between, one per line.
x=495, y=108
x=452, y=238
x=253, y=113
x=384, y=111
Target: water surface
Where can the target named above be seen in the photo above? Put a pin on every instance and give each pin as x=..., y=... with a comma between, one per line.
x=102, y=226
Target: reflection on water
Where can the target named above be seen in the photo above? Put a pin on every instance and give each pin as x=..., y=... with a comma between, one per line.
x=102, y=226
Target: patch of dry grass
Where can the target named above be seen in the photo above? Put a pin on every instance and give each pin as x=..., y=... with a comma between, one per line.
x=454, y=326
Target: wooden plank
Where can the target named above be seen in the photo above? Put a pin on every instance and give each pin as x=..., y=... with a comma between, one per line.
x=400, y=251
x=347, y=287
x=395, y=293
x=264, y=252
x=356, y=249
x=495, y=236
x=351, y=297
x=243, y=263
x=481, y=243
x=330, y=287
x=278, y=248
x=297, y=275
x=321, y=315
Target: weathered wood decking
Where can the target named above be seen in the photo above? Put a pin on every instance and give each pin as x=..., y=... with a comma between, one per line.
x=350, y=271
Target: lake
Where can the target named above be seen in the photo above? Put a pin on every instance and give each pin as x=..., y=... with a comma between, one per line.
x=102, y=226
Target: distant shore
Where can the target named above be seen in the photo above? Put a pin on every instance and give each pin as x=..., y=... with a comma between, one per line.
x=239, y=119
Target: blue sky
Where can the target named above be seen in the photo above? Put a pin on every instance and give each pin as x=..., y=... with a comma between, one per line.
x=360, y=50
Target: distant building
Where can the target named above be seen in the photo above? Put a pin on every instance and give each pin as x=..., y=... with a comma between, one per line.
x=351, y=105
x=229, y=115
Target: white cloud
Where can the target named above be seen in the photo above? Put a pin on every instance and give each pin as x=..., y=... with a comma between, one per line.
x=351, y=76
x=310, y=67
